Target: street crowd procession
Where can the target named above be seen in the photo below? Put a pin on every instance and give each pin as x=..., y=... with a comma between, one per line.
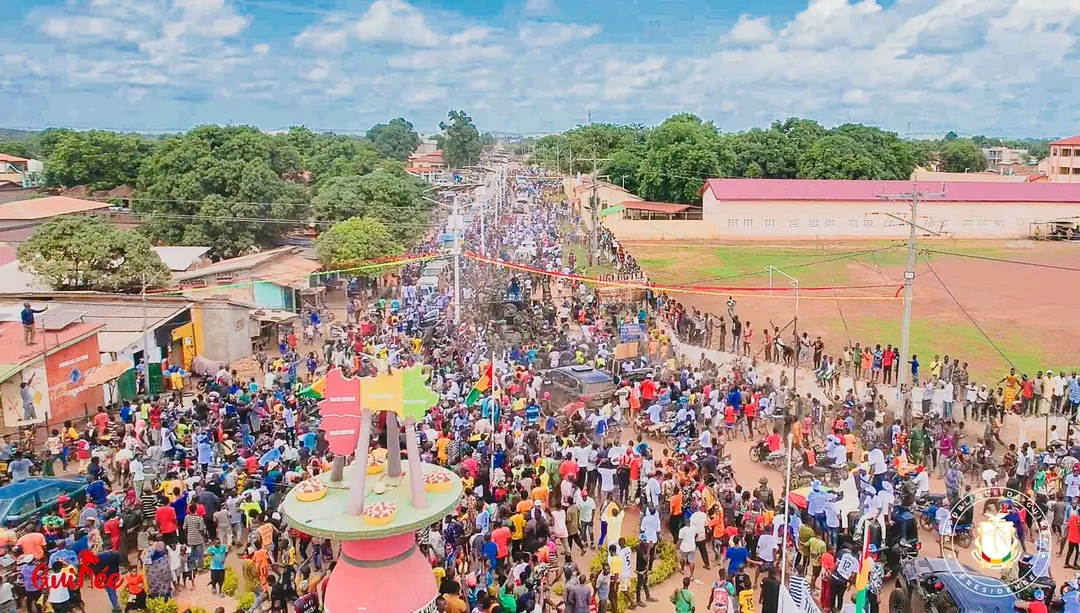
x=617, y=450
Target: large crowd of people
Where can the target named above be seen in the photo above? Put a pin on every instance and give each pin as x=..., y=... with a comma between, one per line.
x=569, y=506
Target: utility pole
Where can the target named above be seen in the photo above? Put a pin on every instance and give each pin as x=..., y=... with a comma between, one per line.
x=903, y=380
x=455, y=227
x=594, y=208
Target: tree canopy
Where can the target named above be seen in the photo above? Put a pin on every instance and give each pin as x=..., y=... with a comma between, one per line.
x=391, y=198
x=355, y=240
x=461, y=141
x=670, y=161
x=98, y=159
x=89, y=253
x=396, y=139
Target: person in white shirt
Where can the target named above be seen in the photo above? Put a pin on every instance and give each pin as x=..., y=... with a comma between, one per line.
x=699, y=521
x=687, y=544
x=921, y=482
x=652, y=490
x=705, y=439
x=650, y=526
x=878, y=467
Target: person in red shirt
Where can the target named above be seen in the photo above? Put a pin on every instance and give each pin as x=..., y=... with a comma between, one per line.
x=112, y=529
x=569, y=468
x=501, y=537
x=774, y=441
x=165, y=517
x=101, y=421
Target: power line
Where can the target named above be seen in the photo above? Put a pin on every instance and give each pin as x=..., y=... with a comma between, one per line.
x=966, y=314
x=1003, y=260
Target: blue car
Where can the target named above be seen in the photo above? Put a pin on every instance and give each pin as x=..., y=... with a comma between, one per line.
x=26, y=500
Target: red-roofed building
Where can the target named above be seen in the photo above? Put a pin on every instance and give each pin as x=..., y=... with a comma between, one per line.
x=1063, y=165
x=427, y=160
x=809, y=209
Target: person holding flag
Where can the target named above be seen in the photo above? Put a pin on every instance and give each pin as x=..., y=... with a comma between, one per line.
x=482, y=385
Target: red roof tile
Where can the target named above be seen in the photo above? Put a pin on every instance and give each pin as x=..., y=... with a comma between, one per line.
x=655, y=207
x=15, y=351
x=11, y=158
x=1072, y=140
x=866, y=191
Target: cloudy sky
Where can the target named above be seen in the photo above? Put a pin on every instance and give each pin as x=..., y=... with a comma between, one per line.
x=1000, y=67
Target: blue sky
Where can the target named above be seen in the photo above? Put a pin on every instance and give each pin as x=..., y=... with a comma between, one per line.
x=996, y=67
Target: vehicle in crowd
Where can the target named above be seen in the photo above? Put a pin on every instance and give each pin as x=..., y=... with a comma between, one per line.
x=579, y=383
x=28, y=499
x=939, y=585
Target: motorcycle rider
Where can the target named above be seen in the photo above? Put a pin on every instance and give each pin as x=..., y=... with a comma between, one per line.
x=921, y=480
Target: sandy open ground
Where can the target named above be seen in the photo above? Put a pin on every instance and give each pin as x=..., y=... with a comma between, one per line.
x=1026, y=309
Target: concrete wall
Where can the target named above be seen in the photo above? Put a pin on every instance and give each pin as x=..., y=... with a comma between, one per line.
x=660, y=230
x=868, y=220
x=1063, y=168
x=226, y=336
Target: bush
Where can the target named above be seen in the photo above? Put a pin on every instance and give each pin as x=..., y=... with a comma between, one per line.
x=160, y=605
x=231, y=583
x=665, y=565
x=246, y=602
x=251, y=576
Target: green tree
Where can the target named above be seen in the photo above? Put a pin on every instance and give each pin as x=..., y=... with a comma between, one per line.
x=17, y=148
x=838, y=156
x=624, y=165
x=396, y=139
x=893, y=158
x=768, y=154
x=221, y=187
x=98, y=159
x=461, y=146
x=679, y=155
x=962, y=155
x=355, y=240
x=89, y=253
x=391, y=198
x=487, y=140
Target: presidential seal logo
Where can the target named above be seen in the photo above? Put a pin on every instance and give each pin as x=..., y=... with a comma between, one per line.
x=1006, y=527
x=996, y=544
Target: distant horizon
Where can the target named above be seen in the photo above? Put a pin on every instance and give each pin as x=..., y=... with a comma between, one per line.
x=914, y=67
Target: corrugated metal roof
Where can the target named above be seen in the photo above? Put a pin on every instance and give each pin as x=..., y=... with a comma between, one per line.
x=51, y=206
x=243, y=262
x=655, y=207
x=179, y=259
x=867, y=191
x=118, y=316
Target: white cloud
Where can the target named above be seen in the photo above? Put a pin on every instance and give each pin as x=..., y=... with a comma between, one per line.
x=750, y=30
x=385, y=21
x=544, y=34
x=978, y=66
x=539, y=7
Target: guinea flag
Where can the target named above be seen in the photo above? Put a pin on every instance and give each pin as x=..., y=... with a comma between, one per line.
x=315, y=390
x=862, y=580
x=483, y=385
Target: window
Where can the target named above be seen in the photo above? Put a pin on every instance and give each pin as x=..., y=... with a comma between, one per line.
x=1066, y=153
x=793, y=223
x=868, y=223
x=770, y=223
x=813, y=223
x=999, y=223
x=829, y=223
x=984, y=223
x=969, y=223
x=945, y=224
x=1021, y=223
x=1054, y=151
x=733, y=223
x=1063, y=170
x=853, y=223
x=748, y=223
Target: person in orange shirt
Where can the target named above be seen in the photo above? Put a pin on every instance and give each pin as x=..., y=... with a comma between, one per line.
x=849, y=444
x=539, y=495
x=717, y=528
x=675, y=505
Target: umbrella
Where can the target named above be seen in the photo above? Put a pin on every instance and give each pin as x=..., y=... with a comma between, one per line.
x=573, y=406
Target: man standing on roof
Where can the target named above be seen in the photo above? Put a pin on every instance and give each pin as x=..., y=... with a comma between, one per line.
x=27, y=316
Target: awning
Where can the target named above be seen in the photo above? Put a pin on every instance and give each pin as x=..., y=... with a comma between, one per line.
x=8, y=371
x=611, y=210
x=273, y=316
x=104, y=373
